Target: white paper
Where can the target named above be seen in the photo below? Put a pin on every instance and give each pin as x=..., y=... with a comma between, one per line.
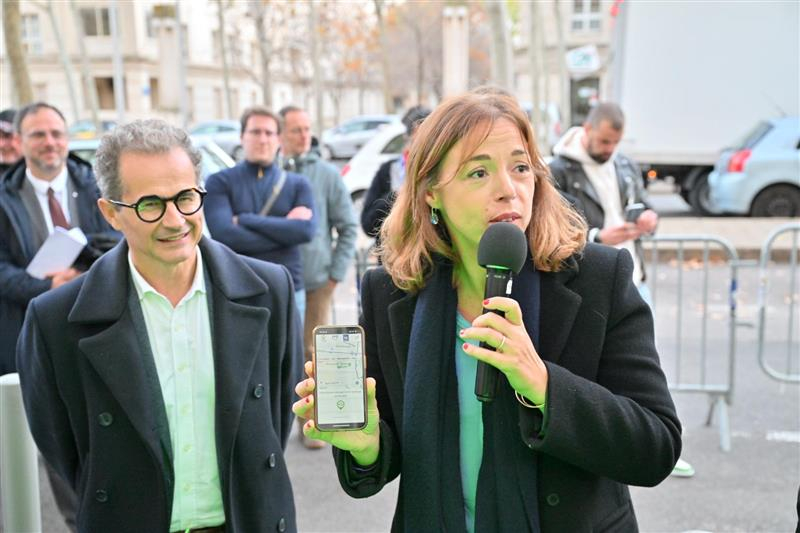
x=57, y=253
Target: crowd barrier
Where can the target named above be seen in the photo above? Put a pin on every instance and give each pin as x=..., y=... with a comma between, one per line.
x=791, y=363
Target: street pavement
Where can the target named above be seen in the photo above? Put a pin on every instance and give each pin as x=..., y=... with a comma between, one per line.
x=753, y=487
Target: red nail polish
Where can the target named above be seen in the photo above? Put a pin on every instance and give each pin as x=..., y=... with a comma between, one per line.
x=461, y=333
x=466, y=346
x=308, y=399
x=486, y=302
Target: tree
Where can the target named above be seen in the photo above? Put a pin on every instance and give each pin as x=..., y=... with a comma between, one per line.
x=12, y=26
x=387, y=88
x=502, y=69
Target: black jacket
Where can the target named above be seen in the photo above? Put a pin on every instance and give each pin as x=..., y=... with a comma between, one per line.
x=610, y=419
x=17, y=288
x=571, y=179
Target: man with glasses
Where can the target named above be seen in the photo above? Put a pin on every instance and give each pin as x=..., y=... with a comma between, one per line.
x=257, y=208
x=160, y=384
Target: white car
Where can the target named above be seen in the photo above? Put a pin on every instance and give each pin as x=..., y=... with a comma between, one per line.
x=357, y=174
x=346, y=139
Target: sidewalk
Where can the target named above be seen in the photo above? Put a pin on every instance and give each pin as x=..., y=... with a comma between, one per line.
x=746, y=235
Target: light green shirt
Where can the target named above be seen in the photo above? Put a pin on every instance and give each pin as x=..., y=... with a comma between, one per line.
x=180, y=339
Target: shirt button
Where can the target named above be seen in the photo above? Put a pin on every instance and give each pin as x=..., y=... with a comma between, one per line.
x=272, y=460
x=258, y=392
x=282, y=525
x=105, y=419
x=187, y=487
x=101, y=496
x=553, y=499
x=187, y=448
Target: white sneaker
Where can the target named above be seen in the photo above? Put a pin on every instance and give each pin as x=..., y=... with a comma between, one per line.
x=682, y=469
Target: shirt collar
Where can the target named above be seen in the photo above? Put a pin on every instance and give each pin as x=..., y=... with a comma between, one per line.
x=58, y=184
x=143, y=287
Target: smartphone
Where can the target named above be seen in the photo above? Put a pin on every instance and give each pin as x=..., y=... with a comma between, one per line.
x=634, y=211
x=340, y=397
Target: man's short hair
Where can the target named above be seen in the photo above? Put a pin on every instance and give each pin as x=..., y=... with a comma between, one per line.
x=34, y=108
x=285, y=110
x=260, y=111
x=153, y=136
x=414, y=117
x=606, y=111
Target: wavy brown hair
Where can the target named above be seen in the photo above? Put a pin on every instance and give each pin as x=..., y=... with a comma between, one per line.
x=409, y=239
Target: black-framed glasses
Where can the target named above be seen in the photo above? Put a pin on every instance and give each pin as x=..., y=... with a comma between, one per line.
x=151, y=208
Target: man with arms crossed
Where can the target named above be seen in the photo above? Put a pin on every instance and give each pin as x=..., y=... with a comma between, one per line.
x=159, y=384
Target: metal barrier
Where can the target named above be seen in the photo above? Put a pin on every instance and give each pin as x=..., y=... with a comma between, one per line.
x=720, y=386
x=787, y=375
x=365, y=259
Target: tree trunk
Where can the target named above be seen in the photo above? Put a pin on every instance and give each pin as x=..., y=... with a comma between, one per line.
x=316, y=82
x=89, y=87
x=12, y=22
x=502, y=71
x=264, y=50
x=561, y=60
x=387, y=87
x=65, y=64
x=534, y=64
x=223, y=51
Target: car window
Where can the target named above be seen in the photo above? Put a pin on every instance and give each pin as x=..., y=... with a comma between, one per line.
x=753, y=136
x=87, y=154
x=395, y=146
x=352, y=127
x=204, y=129
x=375, y=124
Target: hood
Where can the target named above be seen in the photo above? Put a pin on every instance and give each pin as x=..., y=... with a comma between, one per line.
x=571, y=146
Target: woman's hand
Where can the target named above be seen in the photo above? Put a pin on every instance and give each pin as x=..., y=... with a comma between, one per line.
x=363, y=444
x=514, y=353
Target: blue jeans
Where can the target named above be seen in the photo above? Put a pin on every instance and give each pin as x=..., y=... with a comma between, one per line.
x=300, y=302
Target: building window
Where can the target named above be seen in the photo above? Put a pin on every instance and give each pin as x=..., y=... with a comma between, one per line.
x=31, y=39
x=586, y=15
x=154, y=96
x=105, y=93
x=95, y=21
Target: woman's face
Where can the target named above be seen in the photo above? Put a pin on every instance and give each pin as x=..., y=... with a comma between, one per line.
x=495, y=184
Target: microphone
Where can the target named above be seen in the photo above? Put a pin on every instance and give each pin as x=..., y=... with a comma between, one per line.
x=502, y=251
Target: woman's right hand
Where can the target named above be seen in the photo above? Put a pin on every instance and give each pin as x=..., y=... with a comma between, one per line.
x=363, y=444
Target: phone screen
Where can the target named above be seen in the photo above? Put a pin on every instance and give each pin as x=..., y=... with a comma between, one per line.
x=634, y=211
x=340, y=394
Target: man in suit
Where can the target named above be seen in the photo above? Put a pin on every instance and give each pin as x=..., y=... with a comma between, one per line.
x=159, y=384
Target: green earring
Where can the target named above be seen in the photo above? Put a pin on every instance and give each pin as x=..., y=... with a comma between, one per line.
x=434, y=216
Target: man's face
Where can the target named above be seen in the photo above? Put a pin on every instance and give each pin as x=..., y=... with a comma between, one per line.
x=296, y=135
x=43, y=139
x=600, y=142
x=159, y=247
x=260, y=139
x=9, y=147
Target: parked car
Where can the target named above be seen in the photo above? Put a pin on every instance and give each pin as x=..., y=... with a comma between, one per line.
x=226, y=133
x=760, y=176
x=214, y=158
x=85, y=129
x=357, y=174
x=346, y=139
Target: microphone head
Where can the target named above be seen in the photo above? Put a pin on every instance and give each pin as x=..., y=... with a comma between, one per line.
x=503, y=245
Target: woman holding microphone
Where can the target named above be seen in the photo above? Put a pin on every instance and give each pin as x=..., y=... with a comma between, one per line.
x=582, y=407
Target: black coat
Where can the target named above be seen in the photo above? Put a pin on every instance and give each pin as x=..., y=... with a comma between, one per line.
x=610, y=418
x=94, y=404
x=17, y=287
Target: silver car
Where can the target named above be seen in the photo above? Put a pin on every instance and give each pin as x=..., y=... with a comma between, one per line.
x=226, y=133
x=760, y=177
x=346, y=139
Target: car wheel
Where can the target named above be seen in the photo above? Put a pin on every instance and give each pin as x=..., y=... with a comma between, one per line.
x=777, y=201
x=238, y=154
x=699, y=196
x=327, y=153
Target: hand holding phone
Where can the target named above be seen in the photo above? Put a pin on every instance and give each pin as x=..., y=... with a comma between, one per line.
x=340, y=395
x=634, y=211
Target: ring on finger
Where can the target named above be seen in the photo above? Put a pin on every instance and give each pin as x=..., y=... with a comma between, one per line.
x=502, y=343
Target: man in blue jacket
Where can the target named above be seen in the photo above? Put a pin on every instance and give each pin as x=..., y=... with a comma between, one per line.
x=258, y=209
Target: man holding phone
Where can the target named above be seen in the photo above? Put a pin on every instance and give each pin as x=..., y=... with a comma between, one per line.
x=607, y=188
x=607, y=185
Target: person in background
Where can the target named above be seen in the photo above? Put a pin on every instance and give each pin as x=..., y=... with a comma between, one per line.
x=257, y=208
x=9, y=143
x=588, y=167
x=582, y=407
x=390, y=176
x=159, y=384
x=328, y=256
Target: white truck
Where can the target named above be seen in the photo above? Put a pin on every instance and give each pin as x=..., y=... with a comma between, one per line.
x=692, y=77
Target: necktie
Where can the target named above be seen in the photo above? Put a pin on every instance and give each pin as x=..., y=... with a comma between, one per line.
x=56, y=214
